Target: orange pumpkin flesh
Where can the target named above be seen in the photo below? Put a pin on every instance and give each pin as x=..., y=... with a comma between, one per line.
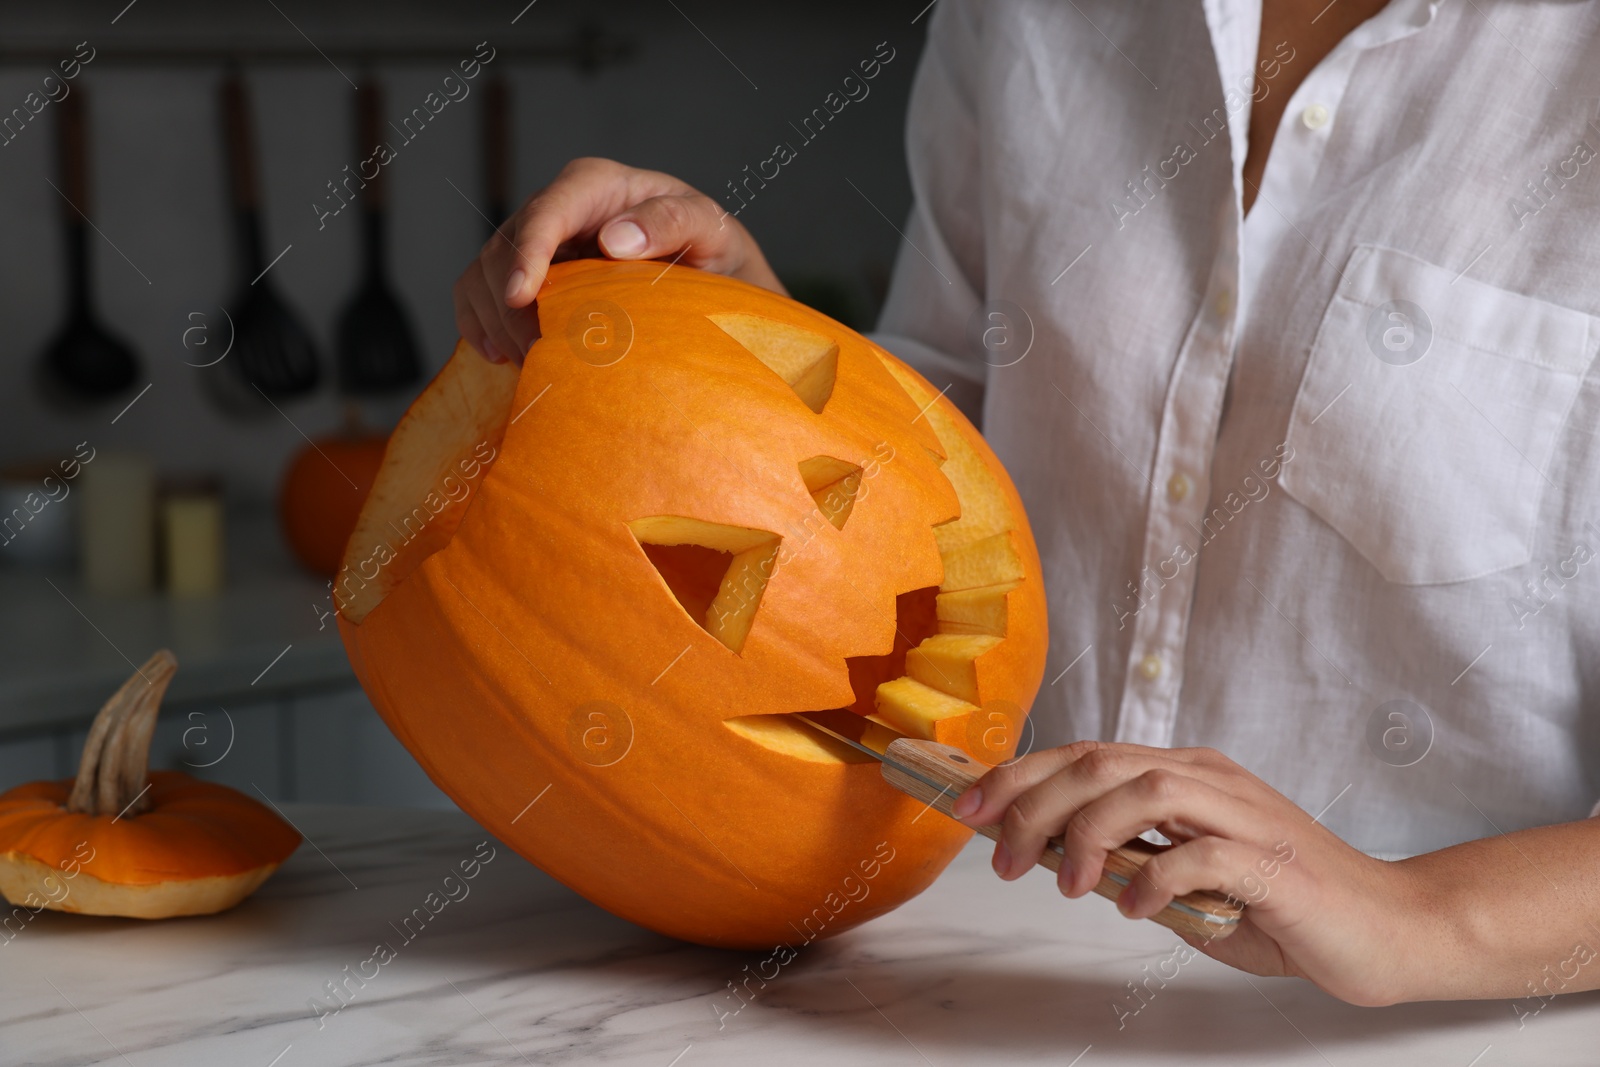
x=699, y=509
x=147, y=847
x=323, y=489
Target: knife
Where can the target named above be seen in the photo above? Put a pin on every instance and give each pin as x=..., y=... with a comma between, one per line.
x=936, y=774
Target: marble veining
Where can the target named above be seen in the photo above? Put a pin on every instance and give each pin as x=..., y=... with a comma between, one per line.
x=508, y=967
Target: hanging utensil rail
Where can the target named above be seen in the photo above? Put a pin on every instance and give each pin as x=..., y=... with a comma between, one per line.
x=589, y=49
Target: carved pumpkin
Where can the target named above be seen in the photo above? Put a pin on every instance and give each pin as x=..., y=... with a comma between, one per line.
x=115, y=841
x=323, y=489
x=589, y=597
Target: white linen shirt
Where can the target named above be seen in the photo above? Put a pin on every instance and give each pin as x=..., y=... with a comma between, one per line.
x=1318, y=487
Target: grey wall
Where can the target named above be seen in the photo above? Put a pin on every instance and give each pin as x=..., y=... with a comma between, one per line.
x=158, y=180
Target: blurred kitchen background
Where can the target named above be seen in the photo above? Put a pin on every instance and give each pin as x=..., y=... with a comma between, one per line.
x=142, y=490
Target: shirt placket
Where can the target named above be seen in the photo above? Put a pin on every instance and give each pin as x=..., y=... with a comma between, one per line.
x=1302, y=138
x=1181, y=518
x=1158, y=600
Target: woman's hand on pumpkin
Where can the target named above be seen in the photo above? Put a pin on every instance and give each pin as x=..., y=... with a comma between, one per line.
x=594, y=207
x=1317, y=908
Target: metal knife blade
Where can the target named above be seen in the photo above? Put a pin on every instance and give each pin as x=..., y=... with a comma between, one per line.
x=875, y=754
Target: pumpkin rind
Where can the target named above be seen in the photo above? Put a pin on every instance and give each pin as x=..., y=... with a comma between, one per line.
x=192, y=829
x=199, y=848
x=490, y=641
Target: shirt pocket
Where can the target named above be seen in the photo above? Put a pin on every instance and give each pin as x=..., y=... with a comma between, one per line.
x=1428, y=413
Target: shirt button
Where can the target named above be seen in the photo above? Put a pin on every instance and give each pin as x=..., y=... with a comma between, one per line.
x=1316, y=116
x=1178, y=487
x=1150, y=667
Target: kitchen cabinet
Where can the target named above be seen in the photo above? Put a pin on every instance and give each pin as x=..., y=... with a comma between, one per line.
x=264, y=697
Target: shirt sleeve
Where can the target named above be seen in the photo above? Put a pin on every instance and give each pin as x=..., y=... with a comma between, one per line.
x=938, y=279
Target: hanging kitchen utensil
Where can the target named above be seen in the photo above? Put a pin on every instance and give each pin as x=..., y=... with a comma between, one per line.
x=273, y=357
x=497, y=151
x=497, y=179
x=377, y=349
x=84, y=363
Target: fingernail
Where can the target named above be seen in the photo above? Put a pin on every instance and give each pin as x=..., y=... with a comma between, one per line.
x=623, y=239
x=1128, y=900
x=1002, y=859
x=968, y=802
x=515, y=282
x=492, y=353
x=1064, y=877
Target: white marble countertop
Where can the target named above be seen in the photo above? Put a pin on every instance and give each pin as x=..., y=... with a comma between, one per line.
x=521, y=971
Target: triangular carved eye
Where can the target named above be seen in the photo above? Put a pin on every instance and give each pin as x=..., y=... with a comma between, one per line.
x=716, y=572
x=808, y=362
x=833, y=484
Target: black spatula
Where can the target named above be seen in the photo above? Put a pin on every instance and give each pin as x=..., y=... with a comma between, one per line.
x=377, y=349
x=272, y=352
x=84, y=364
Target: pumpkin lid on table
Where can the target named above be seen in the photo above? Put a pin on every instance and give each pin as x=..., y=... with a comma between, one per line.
x=121, y=840
x=606, y=581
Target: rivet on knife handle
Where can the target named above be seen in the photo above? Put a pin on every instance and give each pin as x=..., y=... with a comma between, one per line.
x=1203, y=914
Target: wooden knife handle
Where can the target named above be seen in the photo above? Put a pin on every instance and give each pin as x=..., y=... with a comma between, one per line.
x=1204, y=914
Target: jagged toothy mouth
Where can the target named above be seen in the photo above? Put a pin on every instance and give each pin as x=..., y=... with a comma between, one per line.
x=932, y=684
x=928, y=685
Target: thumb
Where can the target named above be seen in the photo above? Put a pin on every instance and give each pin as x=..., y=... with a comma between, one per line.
x=665, y=226
x=624, y=239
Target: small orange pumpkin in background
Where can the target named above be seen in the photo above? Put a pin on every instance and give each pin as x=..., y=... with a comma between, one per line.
x=115, y=842
x=589, y=597
x=323, y=489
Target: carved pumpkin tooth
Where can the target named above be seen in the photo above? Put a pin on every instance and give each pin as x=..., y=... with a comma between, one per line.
x=916, y=710
x=984, y=610
x=950, y=662
x=991, y=560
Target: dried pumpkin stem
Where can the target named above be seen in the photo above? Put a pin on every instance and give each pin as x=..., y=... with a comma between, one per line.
x=116, y=757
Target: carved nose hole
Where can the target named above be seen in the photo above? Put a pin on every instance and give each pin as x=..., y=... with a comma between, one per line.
x=833, y=485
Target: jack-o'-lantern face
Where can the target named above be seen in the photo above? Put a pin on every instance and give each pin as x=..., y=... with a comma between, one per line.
x=609, y=581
